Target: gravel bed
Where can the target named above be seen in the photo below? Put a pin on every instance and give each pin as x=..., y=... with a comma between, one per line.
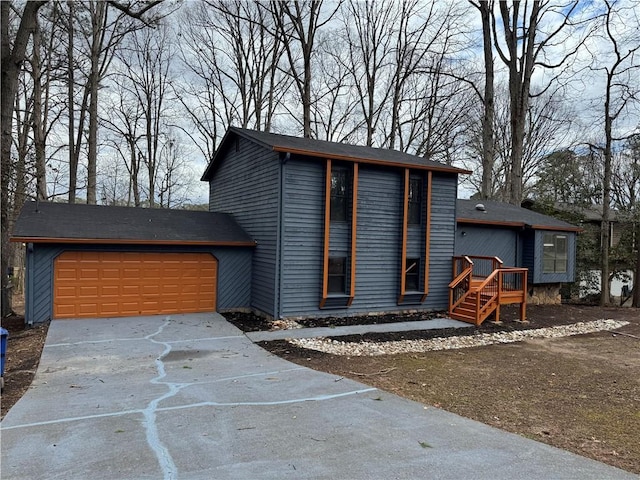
x=366, y=348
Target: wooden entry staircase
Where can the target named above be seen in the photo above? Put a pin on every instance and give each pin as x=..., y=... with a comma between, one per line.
x=481, y=285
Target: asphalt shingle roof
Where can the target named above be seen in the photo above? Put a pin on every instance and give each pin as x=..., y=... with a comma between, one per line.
x=333, y=150
x=498, y=213
x=44, y=221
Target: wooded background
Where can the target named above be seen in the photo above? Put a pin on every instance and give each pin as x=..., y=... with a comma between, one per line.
x=124, y=102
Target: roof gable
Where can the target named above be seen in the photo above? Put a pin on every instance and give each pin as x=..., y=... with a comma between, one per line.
x=79, y=223
x=324, y=149
x=505, y=214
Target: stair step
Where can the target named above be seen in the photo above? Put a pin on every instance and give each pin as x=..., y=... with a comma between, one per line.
x=463, y=318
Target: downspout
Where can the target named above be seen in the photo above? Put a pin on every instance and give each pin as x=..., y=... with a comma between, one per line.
x=277, y=310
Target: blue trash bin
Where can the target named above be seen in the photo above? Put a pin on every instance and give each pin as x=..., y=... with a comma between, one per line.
x=4, y=334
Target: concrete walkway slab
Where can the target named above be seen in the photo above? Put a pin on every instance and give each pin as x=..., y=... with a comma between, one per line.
x=436, y=323
x=191, y=397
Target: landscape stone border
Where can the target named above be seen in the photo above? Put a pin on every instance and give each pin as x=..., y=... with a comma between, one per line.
x=366, y=348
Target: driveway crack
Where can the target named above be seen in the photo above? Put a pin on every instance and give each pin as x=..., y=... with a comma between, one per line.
x=165, y=460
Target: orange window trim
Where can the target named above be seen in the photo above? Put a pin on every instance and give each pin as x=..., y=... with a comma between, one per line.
x=327, y=231
x=427, y=237
x=405, y=223
x=354, y=231
x=327, y=226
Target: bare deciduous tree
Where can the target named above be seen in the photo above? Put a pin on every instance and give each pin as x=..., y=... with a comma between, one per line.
x=146, y=60
x=13, y=55
x=297, y=24
x=125, y=124
x=232, y=59
x=103, y=29
x=488, y=155
x=369, y=29
x=622, y=89
x=525, y=36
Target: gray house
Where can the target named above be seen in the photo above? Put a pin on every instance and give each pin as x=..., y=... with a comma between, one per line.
x=88, y=261
x=340, y=229
x=303, y=228
x=520, y=237
x=296, y=228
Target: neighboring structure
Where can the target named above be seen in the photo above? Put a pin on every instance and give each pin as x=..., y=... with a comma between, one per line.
x=95, y=261
x=622, y=255
x=520, y=237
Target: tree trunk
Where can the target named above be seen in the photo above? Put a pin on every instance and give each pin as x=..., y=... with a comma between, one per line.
x=73, y=158
x=98, y=19
x=606, y=198
x=92, y=158
x=12, y=58
x=518, y=39
x=486, y=190
x=38, y=119
x=636, y=274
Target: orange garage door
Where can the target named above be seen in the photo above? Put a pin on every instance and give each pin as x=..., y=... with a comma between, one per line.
x=119, y=284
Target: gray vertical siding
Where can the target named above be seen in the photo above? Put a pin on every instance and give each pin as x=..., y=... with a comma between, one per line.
x=443, y=227
x=41, y=298
x=302, y=242
x=234, y=274
x=246, y=184
x=519, y=249
x=379, y=240
x=491, y=241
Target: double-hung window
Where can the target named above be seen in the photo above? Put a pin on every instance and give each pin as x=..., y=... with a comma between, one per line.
x=555, y=254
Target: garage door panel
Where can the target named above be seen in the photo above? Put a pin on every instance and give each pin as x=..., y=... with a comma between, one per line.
x=151, y=274
x=110, y=273
x=130, y=273
x=108, y=284
x=151, y=290
x=65, y=291
x=171, y=272
x=170, y=289
x=130, y=290
x=66, y=310
x=109, y=290
x=69, y=273
x=87, y=289
x=130, y=308
x=190, y=305
x=88, y=309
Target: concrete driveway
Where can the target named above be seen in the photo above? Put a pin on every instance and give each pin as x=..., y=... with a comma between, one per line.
x=191, y=397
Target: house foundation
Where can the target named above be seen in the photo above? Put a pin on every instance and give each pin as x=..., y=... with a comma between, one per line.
x=544, y=294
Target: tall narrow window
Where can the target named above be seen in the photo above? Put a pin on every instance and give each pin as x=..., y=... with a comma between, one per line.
x=412, y=275
x=554, y=253
x=339, y=194
x=337, y=275
x=414, y=212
